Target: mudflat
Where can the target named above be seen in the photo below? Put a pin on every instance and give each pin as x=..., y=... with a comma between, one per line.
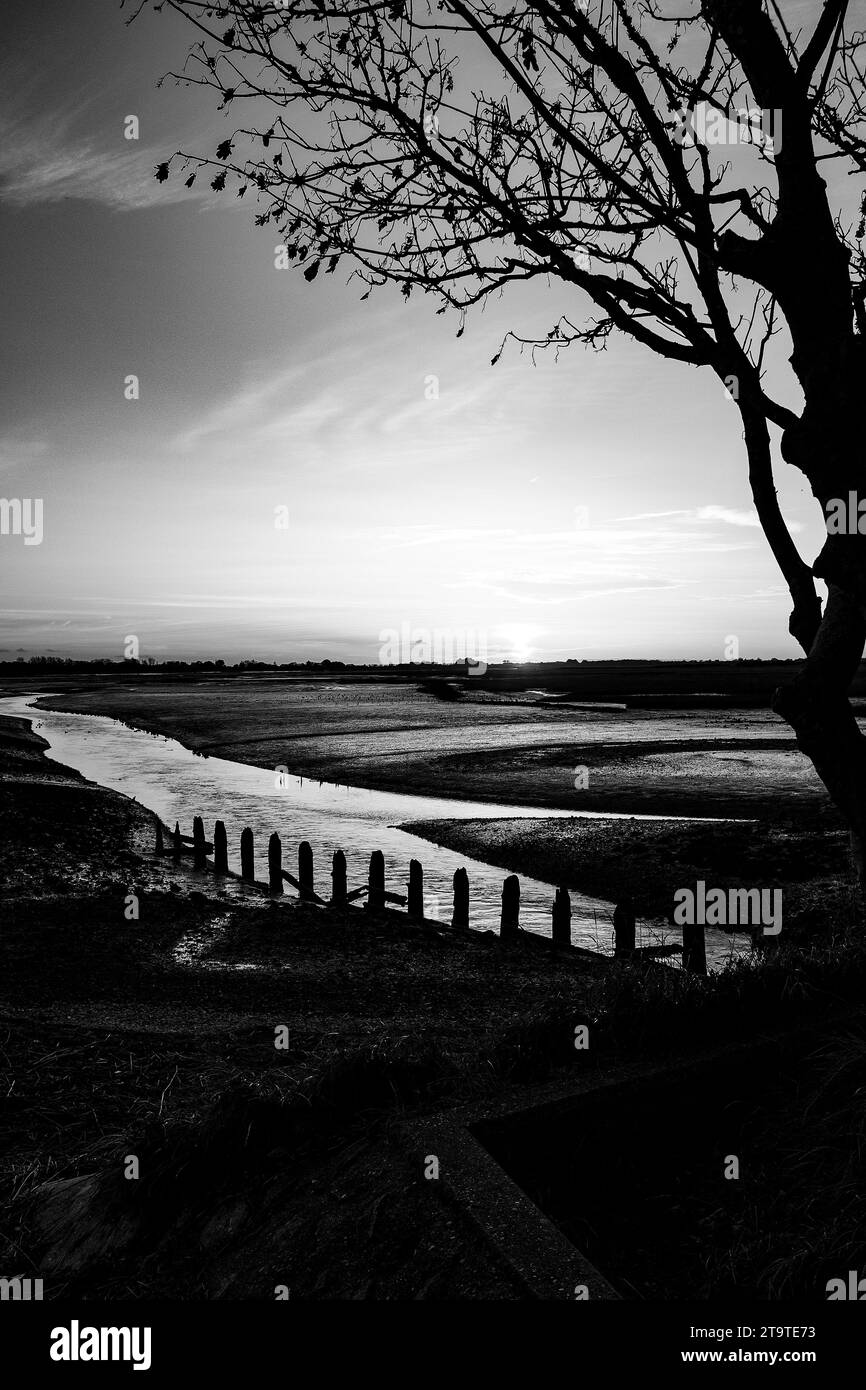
x=512, y=748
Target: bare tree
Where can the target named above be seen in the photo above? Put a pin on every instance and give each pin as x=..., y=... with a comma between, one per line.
x=457, y=146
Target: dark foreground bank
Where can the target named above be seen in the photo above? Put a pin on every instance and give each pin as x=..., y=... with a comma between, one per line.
x=160, y=1144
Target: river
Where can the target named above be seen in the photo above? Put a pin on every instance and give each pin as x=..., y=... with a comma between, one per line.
x=177, y=785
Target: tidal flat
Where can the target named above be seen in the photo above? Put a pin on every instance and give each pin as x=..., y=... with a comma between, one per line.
x=507, y=747
x=740, y=803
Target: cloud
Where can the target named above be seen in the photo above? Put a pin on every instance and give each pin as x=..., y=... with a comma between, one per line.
x=526, y=592
x=334, y=408
x=590, y=547
x=652, y=516
x=32, y=173
x=242, y=411
x=768, y=593
x=42, y=160
x=455, y=401
x=730, y=516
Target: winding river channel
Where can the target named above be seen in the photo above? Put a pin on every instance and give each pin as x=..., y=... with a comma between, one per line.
x=177, y=785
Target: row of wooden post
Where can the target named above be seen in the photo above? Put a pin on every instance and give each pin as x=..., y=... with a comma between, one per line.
x=693, y=947
x=375, y=891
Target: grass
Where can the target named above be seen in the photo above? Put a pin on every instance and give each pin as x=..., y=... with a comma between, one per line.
x=259, y=1124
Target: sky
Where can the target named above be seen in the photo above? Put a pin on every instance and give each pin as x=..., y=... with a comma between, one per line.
x=595, y=507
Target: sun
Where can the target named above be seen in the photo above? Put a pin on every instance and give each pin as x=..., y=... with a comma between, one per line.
x=516, y=642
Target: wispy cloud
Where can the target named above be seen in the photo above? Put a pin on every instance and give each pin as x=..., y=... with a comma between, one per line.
x=530, y=593
x=244, y=410
x=768, y=593
x=44, y=160
x=336, y=408
x=730, y=516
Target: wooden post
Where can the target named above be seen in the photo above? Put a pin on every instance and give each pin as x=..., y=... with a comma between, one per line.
x=338, y=879
x=220, y=848
x=376, y=881
x=305, y=866
x=694, y=949
x=623, y=930
x=178, y=843
x=248, y=865
x=275, y=864
x=415, y=905
x=159, y=847
x=460, y=916
x=561, y=915
x=510, y=922
x=199, y=857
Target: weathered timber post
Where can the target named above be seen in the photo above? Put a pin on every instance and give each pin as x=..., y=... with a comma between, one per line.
x=159, y=847
x=199, y=857
x=623, y=930
x=376, y=881
x=248, y=864
x=415, y=904
x=460, y=916
x=510, y=922
x=694, y=949
x=275, y=864
x=220, y=848
x=338, y=879
x=305, y=866
x=561, y=915
x=178, y=842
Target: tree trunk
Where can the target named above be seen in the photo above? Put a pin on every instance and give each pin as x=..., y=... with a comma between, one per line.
x=825, y=445
x=816, y=706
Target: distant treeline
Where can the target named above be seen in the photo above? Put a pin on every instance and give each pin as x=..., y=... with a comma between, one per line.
x=748, y=683
x=71, y=665
x=108, y=666
x=637, y=683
